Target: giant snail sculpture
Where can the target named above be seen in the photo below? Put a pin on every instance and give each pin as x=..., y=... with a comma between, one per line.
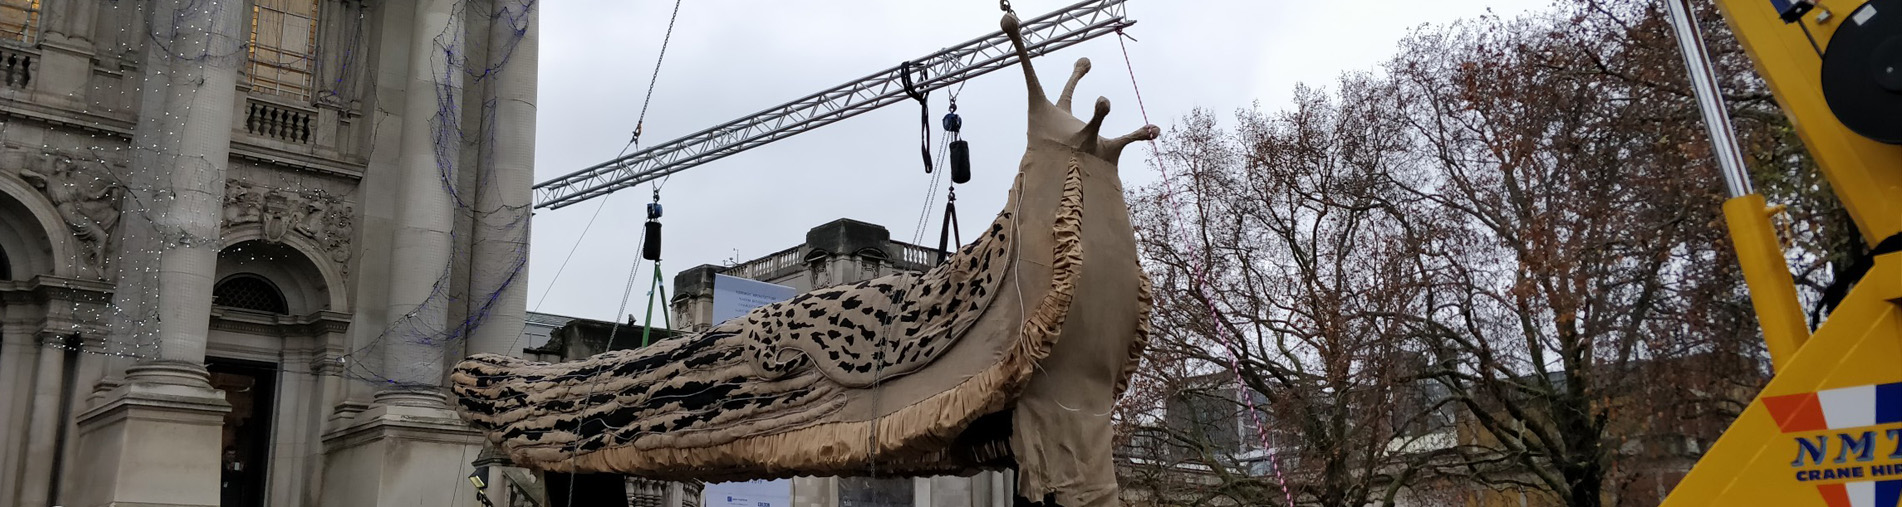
x=1011, y=353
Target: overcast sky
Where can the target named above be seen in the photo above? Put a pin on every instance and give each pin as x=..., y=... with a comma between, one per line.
x=730, y=58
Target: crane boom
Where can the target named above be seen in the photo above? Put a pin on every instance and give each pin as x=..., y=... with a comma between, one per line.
x=1050, y=32
x=1835, y=401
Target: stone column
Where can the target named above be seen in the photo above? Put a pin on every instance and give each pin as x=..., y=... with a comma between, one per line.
x=420, y=252
x=181, y=144
x=299, y=399
x=42, y=439
x=66, y=51
x=19, y=350
x=186, y=139
x=815, y=491
x=70, y=22
x=981, y=490
x=408, y=443
x=1003, y=488
x=498, y=274
x=921, y=492
x=155, y=439
x=952, y=491
x=119, y=35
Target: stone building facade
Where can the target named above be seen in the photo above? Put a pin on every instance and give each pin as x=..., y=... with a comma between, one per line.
x=240, y=239
x=840, y=252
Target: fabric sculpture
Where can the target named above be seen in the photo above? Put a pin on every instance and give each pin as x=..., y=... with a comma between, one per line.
x=1011, y=353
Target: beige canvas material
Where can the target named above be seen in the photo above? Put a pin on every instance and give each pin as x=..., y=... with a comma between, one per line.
x=913, y=417
x=1010, y=354
x=915, y=428
x=1062, y=422
x=801, y=355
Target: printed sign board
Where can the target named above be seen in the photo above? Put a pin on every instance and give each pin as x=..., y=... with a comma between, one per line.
x=734, y=296
x=775, y=493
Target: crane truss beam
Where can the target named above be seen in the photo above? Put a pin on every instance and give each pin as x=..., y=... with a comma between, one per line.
x=1064, y=28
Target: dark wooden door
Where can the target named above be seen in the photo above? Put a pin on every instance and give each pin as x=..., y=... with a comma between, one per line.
x=248, y=387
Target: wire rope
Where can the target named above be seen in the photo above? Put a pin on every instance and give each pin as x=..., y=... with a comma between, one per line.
x=1200, y=277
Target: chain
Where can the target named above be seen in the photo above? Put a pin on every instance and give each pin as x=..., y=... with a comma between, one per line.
x=651, y=80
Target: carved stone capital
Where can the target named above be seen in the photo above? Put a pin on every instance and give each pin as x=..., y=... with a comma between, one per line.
x=57, y=340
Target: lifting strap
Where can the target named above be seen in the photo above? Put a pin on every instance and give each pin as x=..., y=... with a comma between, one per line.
x=924, y=110
x=950, y=230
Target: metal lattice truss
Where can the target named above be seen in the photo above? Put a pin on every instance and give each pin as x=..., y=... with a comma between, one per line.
x=1044, y=34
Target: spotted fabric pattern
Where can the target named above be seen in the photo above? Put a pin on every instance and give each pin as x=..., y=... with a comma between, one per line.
x=781, y=366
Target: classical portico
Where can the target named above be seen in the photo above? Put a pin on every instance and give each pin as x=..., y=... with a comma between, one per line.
x=226, y=241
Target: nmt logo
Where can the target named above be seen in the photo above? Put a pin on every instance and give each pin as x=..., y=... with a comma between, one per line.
x=1852, y=449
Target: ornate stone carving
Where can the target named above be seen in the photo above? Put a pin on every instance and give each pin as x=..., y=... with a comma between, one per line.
x=87, y=198
x=340, y=224
x=313, y=214
x=277, y=216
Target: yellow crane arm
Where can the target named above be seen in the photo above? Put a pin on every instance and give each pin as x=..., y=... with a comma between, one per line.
x=1827, y=429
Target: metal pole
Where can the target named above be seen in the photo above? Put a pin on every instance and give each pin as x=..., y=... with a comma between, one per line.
x=647, y=324
x=1759, y=254
x=1710, y=99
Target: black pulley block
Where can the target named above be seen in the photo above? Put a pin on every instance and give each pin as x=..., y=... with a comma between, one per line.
x=1862, y=71
x=650, y=242
x=960, y=162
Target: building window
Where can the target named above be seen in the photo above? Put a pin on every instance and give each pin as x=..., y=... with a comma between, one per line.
x=6, y=270
x=283, y=39
x=249, y=292
x=20, y=20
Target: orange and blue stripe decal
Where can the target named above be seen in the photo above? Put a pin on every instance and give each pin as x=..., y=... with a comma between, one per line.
x=1841, y=409
x=1834, y=409
x=1862, y=494
x=1888, y=492
x=1835, y=495
x=1796, y=412
x=1889, y=403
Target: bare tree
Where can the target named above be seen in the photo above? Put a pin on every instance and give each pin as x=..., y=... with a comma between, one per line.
x=1518, y=221
x=1581, y=247
x=1277, y=253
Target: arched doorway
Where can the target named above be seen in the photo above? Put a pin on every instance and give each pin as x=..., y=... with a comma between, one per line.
x=260, y=351
x=250, y=387
x=34, y=243
x=26, y=249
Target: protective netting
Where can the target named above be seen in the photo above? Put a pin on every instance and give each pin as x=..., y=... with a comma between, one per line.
x=152, y=194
